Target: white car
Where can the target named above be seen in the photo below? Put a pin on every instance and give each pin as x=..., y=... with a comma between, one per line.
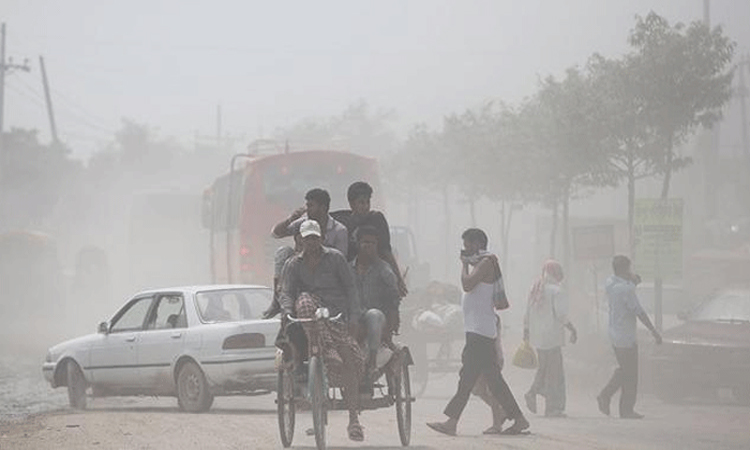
x=190, y=342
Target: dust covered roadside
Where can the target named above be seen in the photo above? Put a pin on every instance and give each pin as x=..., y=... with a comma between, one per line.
x=143, y=423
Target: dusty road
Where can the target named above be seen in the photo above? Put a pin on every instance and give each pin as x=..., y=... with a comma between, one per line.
x=249, y=423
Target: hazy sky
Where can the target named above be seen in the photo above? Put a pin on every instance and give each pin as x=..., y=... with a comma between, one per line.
x=168, y=63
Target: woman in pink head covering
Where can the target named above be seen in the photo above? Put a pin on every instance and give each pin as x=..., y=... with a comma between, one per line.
x=544, y=328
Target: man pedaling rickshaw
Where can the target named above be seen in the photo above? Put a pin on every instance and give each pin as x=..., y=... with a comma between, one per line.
x=320, y=277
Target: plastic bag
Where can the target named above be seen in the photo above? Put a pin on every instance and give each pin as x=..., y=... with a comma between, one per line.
x=525, y=357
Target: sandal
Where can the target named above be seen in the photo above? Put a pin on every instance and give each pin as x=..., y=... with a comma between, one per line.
x=520, y=426
x=356, y=432
x=440, y=427
x=493, y=430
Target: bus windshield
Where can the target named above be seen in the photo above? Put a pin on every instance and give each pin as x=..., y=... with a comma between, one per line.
x=285, y=182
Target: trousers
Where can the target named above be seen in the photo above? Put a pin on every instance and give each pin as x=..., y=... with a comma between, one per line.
x=624, y=378
x=480, y=358
x=549, y=380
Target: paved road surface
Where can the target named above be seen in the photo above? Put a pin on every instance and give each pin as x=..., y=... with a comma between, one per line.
x=244, y=423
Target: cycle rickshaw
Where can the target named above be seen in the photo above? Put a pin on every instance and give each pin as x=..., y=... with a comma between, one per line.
x=321, y=396
x=433, y=327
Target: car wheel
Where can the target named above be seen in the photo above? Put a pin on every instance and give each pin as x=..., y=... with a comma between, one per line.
x=742, y=394
x=76, y=385
x=192, y=389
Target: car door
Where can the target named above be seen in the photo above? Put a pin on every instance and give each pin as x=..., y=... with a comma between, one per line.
x=161, y=342
x=114, y=363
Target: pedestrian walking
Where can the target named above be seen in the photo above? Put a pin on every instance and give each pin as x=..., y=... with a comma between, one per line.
x=478, y=275
x=624, y=308
x=544, y=328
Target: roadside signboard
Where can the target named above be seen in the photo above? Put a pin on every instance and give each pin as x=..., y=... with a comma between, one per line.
x=658, y=238
x=593, y=242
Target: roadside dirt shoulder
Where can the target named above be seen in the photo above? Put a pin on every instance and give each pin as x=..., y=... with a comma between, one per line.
x=139, y=424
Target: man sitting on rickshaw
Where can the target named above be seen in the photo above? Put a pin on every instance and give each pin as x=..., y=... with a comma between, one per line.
x=320, y=277
x=377, y=286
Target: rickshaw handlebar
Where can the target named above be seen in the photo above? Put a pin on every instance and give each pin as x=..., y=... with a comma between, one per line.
x=313, y=319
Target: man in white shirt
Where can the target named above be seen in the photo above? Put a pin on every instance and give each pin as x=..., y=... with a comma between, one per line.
x=317, y=204
x=479, y=356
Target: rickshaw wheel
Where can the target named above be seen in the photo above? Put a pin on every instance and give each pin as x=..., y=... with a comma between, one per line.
x=402, y=385
x=318, y=397
x=285, y=404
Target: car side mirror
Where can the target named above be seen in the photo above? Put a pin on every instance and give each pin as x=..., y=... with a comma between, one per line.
x=104, y=328
x=682, y=315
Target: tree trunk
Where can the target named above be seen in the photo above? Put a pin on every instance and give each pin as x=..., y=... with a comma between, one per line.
x=553, y=232
x=505, y=232
x=631, y=206
x=667, y=171
x=413, y=209
x=566, y=228
x=447, y=213
x=472, y=211
x=658, y=280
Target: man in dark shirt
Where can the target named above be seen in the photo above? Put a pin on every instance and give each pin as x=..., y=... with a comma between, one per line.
x=321, y=277
x=359, y=195
x=378, y=292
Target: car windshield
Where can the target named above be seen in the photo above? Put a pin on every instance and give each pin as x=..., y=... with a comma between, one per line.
x=731, y=306
x=231, y=305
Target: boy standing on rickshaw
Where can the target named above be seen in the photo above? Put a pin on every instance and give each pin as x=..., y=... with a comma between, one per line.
x=359, y=195
x=320, y=277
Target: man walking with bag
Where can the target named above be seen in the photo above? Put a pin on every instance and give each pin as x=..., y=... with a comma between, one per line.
x=479, y=356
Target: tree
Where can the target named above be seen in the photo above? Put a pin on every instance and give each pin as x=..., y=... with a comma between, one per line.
x=491, y=157
x=629, y=141
x=138, y=150
x=357, y=129
x=570, y=138
x=683, y=80
x=34, y=177
x=425, y=163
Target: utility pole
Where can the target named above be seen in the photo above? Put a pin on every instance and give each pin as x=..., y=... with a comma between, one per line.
x=48, y=98
x=707, y=13
x=743, y=65
x=2, y=79
x=5, y=67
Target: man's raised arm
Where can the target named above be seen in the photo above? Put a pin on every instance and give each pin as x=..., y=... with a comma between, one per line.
x=281, y=229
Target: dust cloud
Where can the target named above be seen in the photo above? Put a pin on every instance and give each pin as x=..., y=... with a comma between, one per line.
x=86, y=226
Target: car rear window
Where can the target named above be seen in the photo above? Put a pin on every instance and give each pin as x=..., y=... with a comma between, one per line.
x=733, y=306
x=231, y=305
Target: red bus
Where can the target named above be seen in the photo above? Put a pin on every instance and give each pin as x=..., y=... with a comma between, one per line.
x=241, y=213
